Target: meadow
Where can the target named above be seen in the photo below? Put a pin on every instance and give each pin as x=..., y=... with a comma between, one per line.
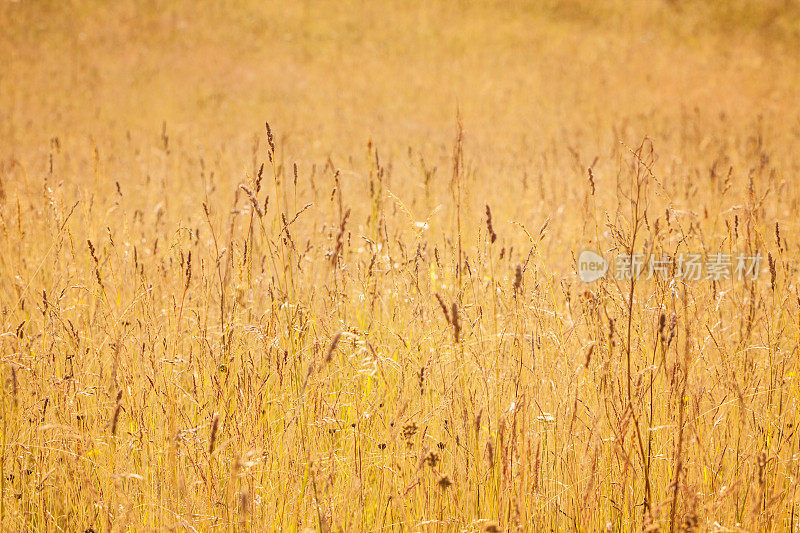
x=313, y=266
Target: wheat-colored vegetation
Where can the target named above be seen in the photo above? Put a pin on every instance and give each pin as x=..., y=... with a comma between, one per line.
x=311, y=265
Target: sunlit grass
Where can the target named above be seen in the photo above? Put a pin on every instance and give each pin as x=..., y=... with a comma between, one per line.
x=365, y=314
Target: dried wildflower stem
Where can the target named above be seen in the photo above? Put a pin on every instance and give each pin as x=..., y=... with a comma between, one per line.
x=188, y=278
x=639, y=179
x=455, y=186
x=682, y=400
x=283, y=248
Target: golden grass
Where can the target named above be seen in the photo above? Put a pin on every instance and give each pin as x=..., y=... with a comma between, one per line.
x=365, y=315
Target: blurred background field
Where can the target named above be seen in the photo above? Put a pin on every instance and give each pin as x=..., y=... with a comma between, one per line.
x=394, y=71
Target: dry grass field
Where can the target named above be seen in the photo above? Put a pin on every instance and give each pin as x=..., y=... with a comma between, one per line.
x=313, y=266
